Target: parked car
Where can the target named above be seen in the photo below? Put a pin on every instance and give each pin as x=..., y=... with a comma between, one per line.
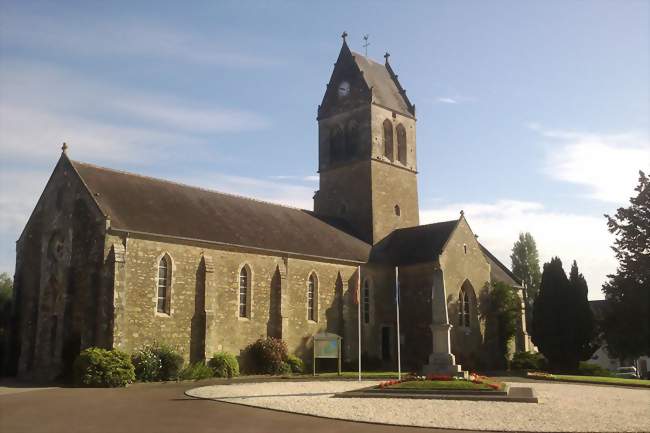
x=627, y=373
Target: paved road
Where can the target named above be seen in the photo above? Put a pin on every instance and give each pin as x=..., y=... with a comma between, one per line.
x=159, y=408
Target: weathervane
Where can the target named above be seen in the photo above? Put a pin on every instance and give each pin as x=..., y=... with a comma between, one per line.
x=366, y=43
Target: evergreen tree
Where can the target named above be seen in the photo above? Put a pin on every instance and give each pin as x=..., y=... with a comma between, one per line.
x=627, y=293
x=583, y=331
x=525, y=265
x=562, y=325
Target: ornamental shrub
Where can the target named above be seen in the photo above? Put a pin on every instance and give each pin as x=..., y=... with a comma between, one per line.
x=285, y=368
x=171, y=362
x=297, y=365
x=95, y=367
x=224, y=364
x=195, y=371
x=265, y=356
x=147, y=364
x=528, y=361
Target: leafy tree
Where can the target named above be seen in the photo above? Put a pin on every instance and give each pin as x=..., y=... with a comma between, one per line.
x=562, y=326
x=501, y=309
x=6, y=291
x=626, y=324
x=525, y=265
x=6, y=288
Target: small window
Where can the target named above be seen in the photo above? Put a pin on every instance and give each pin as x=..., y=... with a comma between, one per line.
x=164, y=284
x=465, y=248
x=388, y=139
x=401, y=143
x=398, y=211
x=463, y=308
x=243, y=292
x=366, y=303
x=337, y=144
x=312, y=293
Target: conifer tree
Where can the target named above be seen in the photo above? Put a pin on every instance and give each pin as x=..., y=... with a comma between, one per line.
x=525, y=265
x=562, y=326
x=626, y=324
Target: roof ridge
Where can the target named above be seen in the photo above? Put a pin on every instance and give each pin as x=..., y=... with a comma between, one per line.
x=426, y=225
x=172, y=182
x=370, y=59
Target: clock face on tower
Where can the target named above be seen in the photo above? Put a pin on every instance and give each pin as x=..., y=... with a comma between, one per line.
x=344, y=89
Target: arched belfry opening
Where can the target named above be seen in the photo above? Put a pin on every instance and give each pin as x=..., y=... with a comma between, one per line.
x=388, y=139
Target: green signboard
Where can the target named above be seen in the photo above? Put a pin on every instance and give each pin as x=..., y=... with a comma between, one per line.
x=327, y=345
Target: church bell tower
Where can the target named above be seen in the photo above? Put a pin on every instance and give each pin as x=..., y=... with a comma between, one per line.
x=366, y=149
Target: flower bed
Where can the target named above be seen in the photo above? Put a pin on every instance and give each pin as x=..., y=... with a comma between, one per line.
x=442, y=382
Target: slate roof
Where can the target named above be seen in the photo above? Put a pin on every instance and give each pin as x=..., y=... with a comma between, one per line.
x=142, y=204
x=499, y=271
x=413, y=245
x=385, y=87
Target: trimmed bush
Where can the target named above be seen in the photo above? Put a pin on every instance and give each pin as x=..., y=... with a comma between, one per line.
x=296, y=364
x=588, y=369
x=528, y=361
x=171, y=362
x=224, y=364
x=147, y=364
x=265, y=356
x=95, y=367
x=195, y=371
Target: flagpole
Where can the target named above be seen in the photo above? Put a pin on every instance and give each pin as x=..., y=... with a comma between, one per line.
x=399, y=342
x=359, y=315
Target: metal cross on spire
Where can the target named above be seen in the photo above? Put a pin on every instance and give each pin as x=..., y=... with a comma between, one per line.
x=366, y=43
x=386, y=56
x=344, y=35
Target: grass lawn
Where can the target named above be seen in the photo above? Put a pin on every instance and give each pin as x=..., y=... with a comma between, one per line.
x=364, y=374
x=440, y=384
x=601, y=379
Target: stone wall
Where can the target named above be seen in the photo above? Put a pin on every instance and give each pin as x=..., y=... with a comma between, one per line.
x=463, y=264
x=60, y=300
x=274, y=279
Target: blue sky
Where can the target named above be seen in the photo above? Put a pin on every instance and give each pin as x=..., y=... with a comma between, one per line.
x=532, y=116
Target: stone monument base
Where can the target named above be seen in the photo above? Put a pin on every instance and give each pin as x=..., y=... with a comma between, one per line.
x=443, y=364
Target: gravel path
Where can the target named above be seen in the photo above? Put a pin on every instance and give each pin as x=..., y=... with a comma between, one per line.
x=561, y=407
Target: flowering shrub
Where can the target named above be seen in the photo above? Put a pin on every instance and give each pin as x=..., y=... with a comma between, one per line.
x=389, y=383
x=438, y=377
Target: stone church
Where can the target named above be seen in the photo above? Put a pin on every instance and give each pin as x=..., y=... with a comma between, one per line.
x=119, y=260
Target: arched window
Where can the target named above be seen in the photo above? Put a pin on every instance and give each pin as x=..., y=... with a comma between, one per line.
x=351, y=139
x=463, y=308
x=164, y=284
x=337, y=144
x=312, y=298
x=388, y=139
x=401, y=143
x=366, y=302
x=244, y=295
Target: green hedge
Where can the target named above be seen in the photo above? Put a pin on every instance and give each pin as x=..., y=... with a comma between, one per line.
x=195, y=371
x=528, y=361
x=95, y=367
x=224, y=364
x=588, y=369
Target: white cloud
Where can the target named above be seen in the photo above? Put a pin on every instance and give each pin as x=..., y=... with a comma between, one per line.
x=275, y=192
x=446, y=100
x=145, y=40
x=570, y=236
x=313, y=178
x=606, y=164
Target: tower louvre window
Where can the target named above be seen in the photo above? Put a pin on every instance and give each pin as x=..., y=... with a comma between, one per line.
x=351, y=139
x=401, y=143
x=337, y=144
x=388, y=139
x=398, y=211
